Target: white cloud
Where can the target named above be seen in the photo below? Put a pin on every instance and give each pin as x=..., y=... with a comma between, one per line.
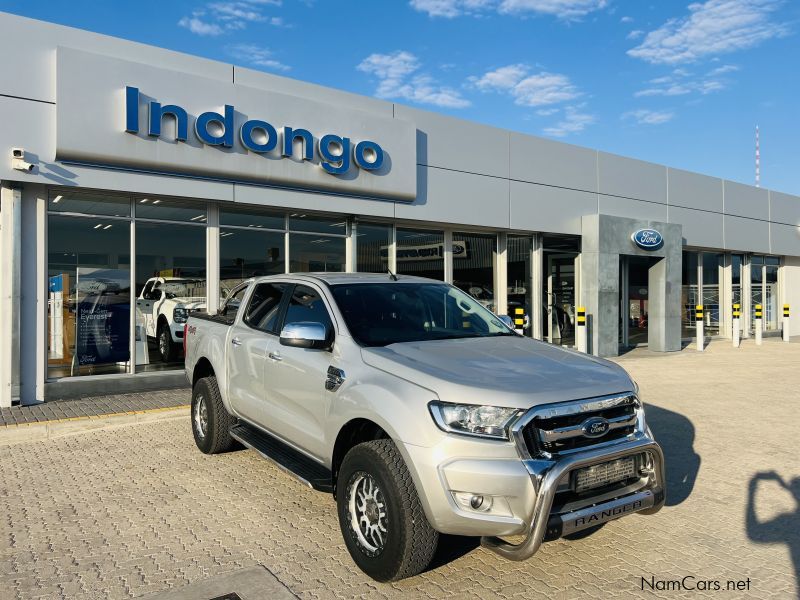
x=626, y=20
x=398, y=77
x=257, y=56
x=538, y=89
x=562, y=9
x=635, y=34
x=197, y=26
x=574, y=121
x=681, y=82
x=649, y=117
x=546, y=112
x=711, y=28
x=216, y=18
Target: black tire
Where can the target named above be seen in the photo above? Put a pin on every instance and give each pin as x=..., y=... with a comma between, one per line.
x=409, y=542
x=216, y=438
x=167, y=349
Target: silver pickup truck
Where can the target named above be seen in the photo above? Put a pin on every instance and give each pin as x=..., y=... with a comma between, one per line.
x=422, y=412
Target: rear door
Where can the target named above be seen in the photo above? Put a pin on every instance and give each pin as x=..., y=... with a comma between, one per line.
x=251, y=334
x=295, y=377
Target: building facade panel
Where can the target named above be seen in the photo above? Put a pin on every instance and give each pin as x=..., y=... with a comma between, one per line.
x=552, y=163
x=634, y=209
x=549, y=208
x=455, y=144
x=784, y=208
x=783, y=238
x=746, y=201
x=456, y=197
x=700, y=228
x=631, y=178
x=692, y=190
x=749, y=235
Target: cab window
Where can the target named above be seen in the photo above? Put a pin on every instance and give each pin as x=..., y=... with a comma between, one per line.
x=306, y=305
x=233, y=302
x=264, y=306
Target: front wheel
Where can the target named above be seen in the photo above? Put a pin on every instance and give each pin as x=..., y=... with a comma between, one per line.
x=380, y=514
x=166, y=347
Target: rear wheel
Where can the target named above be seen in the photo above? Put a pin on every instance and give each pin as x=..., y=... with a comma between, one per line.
x=380, y=514
x=211, y=423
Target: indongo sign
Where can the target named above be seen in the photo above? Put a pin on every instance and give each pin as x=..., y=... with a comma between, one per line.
x=648, y=239
x=217, y=129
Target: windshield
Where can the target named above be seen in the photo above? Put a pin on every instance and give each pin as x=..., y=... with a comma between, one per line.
x=378, y=314
x=183, y=288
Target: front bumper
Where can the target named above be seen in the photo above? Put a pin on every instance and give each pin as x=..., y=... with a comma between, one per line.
x=545, y=476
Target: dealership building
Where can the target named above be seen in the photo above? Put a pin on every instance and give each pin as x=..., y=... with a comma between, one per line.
x=140, y=183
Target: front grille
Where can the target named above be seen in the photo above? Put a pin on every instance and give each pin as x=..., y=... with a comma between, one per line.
x=560, y=428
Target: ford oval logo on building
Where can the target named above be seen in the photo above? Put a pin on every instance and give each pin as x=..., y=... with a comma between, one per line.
x=595, y=427
x=648, y=239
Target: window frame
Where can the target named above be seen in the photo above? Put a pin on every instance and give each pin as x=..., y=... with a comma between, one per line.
x=285, y=309
x=281, y=306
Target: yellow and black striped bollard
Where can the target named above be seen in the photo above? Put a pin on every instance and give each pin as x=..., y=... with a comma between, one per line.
x=581, y=333
x=759, y=323
x=698, y=321
x=785, y=322
x=737, y=312
x=519, y=320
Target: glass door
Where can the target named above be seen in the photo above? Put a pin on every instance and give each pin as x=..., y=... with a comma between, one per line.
x=560, y=313
x=634, y=314
x=520, y=282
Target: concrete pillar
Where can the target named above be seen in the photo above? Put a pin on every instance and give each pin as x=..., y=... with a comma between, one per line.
x=664, y=305
x=212, y=260
x=600, y=289
x=501, y=275
x=537, y=283
x=10, y=291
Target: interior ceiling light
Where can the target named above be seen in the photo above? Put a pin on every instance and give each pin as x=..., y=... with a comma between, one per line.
x=57, y=199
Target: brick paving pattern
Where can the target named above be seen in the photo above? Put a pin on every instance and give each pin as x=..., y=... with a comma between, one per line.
x=137, y=509
x=94, y=406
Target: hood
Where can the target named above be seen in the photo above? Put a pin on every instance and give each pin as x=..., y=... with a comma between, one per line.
x=189, y=302
x=505, y=371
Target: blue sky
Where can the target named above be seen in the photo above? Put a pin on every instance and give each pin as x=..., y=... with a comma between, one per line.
x=669, y=81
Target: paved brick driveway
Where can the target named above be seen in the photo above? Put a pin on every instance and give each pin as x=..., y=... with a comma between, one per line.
x=137, y=509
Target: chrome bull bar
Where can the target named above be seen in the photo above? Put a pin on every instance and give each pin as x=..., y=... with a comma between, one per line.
x=546, y=474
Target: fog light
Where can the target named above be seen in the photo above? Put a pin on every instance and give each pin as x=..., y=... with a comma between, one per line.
x=474, y=502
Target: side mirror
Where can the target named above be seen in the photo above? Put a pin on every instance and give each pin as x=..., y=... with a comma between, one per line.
x=507, y=321
x=305, y=334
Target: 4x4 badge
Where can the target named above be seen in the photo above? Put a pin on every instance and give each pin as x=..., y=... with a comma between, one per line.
x=335, y=379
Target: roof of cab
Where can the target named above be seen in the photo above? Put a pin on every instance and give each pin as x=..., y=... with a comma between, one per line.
x=349, y=278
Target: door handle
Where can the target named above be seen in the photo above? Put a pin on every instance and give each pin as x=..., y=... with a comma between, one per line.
x=236, y=342
x=276, y=356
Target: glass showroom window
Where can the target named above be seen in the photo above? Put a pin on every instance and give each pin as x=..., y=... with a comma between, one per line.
x=737, y=262
x=317, y=243
x=689, y=294
x=251, y=244
x=373, y=242
x=170, y=277
x=757, y=289
x=420, y=252
x=773, y=313
x=712, y=268
x=473, y=266
x=88, y=311
x=520, y=282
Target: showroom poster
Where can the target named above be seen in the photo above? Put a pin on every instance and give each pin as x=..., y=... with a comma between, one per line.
x=102, y=316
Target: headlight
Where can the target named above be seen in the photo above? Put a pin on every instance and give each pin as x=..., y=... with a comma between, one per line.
x=470, y=419
x=180, y=314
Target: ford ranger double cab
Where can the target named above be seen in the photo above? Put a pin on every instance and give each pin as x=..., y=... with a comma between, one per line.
x=165, y=304
x=422, y=412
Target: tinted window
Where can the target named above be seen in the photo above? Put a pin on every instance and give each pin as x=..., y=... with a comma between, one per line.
x=384, y=313
x=306, y=305
x=233, y=303
x=262, y=311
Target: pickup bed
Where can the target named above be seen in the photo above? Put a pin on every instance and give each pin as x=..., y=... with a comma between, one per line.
x=422, y=412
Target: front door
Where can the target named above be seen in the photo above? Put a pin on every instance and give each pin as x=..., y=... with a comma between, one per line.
x=250, y=337
x=634, y=288
x=295, y=377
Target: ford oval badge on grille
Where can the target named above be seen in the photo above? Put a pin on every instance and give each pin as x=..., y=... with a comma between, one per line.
x=595, y=427
x=648, y=239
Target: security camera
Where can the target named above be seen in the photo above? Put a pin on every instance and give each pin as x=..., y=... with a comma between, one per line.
x=18, y=161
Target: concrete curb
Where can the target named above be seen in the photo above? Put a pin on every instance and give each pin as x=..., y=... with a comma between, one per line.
x=42, y=430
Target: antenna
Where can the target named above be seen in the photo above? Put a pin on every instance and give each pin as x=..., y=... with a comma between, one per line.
x=758, y=160
x=392, y=276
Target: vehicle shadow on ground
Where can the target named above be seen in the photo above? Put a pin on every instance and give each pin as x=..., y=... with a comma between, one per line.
x=451, y=548
x=675, y=433
x=784, y=528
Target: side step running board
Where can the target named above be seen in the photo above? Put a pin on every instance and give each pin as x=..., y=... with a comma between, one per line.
x=286, y=458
